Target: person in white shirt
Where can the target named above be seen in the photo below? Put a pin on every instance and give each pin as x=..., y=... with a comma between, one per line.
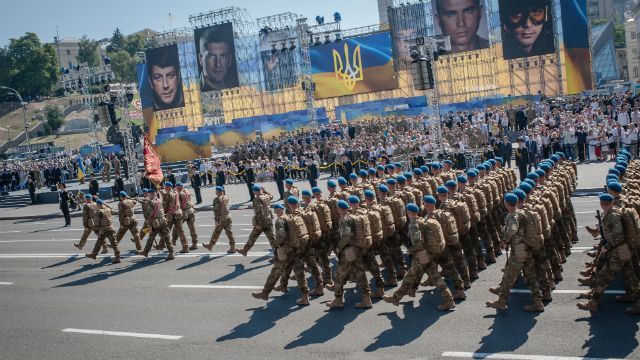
x=623, y=116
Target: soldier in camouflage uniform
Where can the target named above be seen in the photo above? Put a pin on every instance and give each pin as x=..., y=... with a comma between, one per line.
x=391, y=252
x=458, y=192
x=324, y=247
x=188, y=215
x=222, y=221
x=105, y=230
x=127, y=220
x=155, y=219
x=173, y=213
x=290, y=190
x=369, y=257
x=88, y=222
x=262, y=219
x=287, y=257
x=426, y=244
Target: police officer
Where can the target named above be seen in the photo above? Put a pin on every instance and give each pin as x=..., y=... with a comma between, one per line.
x=222, y=220
x=188, y=215
x=127, y=220
x=105, y=230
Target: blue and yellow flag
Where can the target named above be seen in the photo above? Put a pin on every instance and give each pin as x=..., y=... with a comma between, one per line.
x=81, y=172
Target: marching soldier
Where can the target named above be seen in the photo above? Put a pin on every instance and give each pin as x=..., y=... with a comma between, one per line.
x=127, y=220
x=89, y=222
x=188, y=215
x=105, y=230
x=154, y=217
x=290, y=237
x=262, y=219
x=173, y=212
x=290, y=190
x=324, y=247
x=374, y=221
x=222, y=220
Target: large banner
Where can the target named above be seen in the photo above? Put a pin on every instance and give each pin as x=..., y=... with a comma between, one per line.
x=353, y=66
x=279, y=59
x=465, y=22
x=163, y=71
x=407, y=23
x=527, y=28
x=183, y=146
x=577, y=55
x=216, y=53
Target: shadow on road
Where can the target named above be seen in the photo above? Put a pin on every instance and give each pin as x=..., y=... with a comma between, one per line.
x=239, y=269
x=109, y=272
x=83, y=268
x=203, y=260
x=63, y=262
x=607, y=342
x=509, y=331
x=263, y=318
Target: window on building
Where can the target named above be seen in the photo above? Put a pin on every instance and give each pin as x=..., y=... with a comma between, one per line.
x=635, y=71
x=68, y=52
x=633, y=34
x=635, y=52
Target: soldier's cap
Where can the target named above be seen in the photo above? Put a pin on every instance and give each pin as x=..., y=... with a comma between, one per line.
x=462, y=179
x=100, y=202
x=256, y=188
x=612, y=176
x=530, y=182
x=151, y=190
x=511, y=198
x=614, y=171
x=401, y=179
x=168, y=183
x=532, y=175
x=372, y=171
x=306, y=193
x=369, y=194
x=343, y=205
x=614, y=186
x=500, y=160
x=331, y=184
x=443, y=190
x=278, y=206
x=521, y=194
x=411, y=207
x=620, y=168
x=354, y=199
x=481, y=167
x=561, y=154
x=316, y=190
x=123, y=193
x=391, y=167
x=623, y=162
x=424, y=169
x=451, y=184
x=397, y=164
x=436, y=166
x=342, y=181
x=87, y=196
x=540, y=173
x=545, y=167
x=428, y=199
x=219, y=188
x=380, y=168
x=179, y=184
x=606, y=197
x=408, y=175
x=555, y=158
x=391, y=181
x=472, y=174
x=362, y=173
x=417, y=172
x=292, y=200
x=448, y=162
x=353, y=176
x=492, y=162
x=526, y=187
x=289, y=181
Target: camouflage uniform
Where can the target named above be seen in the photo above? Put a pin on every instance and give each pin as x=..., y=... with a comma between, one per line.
x=154, y=217
x=262, y=221
x=88, y=222
x=188, y=216
x=106, y=171
x=346, y=269
x=308, y=256
x=222, y=219
x=173, y=212
x=128, y=222
x=105, y=230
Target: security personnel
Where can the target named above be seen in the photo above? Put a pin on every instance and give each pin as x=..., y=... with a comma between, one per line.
x=196, y=183
x=89, y=222
x=519, y=260
x=188, y=215
x=154, y=217
x=94, y=187
x=105, y=230
x=222, y=220
x=262, y=219
x=127, y=220
x=173, y=212
x=286, y=244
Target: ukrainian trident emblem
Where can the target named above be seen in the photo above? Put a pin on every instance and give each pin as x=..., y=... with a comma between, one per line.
x=349, y=71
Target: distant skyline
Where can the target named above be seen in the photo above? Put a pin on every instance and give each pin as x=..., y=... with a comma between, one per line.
x=98, y=19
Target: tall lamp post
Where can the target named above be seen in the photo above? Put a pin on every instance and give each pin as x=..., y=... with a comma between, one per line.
x=24, y=113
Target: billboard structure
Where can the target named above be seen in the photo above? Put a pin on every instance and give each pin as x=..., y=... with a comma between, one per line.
x=279, y=58
x=353, y=66
x=464, y=21
x=408, y=23
x=165, y=81
x=577, y=54
x=527, y=28
x=216, y=53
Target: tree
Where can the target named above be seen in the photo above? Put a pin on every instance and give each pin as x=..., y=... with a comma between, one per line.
x=33, y=67
x=88, y=52
x=123, y=66
x=619, y=39
x=54, y=116
x=117, y=41
x=134, y=43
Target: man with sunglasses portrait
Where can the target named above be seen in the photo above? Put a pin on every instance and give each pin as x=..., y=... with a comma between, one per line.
x=527, y=28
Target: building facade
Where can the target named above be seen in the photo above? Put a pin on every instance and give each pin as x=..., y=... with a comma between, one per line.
x=632, y=47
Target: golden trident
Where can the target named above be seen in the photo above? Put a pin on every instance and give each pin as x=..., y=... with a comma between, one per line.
x=351, y=73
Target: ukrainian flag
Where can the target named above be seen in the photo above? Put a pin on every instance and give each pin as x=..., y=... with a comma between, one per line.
x=81, y=171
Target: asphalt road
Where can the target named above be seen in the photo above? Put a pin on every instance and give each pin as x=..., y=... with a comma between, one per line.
x=55, y=304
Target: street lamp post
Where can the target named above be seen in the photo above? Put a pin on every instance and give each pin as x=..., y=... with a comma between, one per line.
x=24, y=113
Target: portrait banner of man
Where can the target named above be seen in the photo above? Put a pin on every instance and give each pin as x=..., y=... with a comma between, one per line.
x=527, y=28
x=163, y=69
x=465, y=22
x=215, y=50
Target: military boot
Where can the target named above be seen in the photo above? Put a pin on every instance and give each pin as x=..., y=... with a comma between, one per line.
x=535, y=306
x=591, y=254
x=473, y=274
x=546, y=295
x=365, y=303
x=184, y=250
x=588, y=264
x=104, y=250
x=282, y=288
x=262, y=295
x=378, y=294
x=243, y=251
x=318, y=291
x=500, y=304
x=495, y=290
x=627, y=297
x=557, y=275
x=337, y=303
x=401, y=272
x=77, y=246
x=232, y=249
x=585, y=281
x=563, y=258
x=91, y=256
x=304, y=300
x=170, y=256
x=411, y=292
x=194, y=246
x=392, y=281
x=116, y=260
x=207, y=246
x=491, y=258
x=143, y=253
x=459, y=295
x=591, y=306
x=481, y=265
x=391, y=300
x=586, y=273
x=447, y=301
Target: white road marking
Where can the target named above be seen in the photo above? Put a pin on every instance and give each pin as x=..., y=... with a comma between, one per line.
x=125, y=256
x=119, y=333
x=586, y=212
x=526, y=291
x=11, y=231
x=5, y=283
x=504, y=356
x=60, y=230
x=581, y=248
x=216, y=287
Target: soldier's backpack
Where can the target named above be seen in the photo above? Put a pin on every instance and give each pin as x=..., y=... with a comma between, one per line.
x=399, y=212
x=332, y=202
x=362, y=231
x=128, y=209
x=449, y=228
x=533, y=235
x=433, y=236
x=375, y=221
x=297, y=231
x=387, y=220
x=312, y=223
x=631, y=225
x=463, y=219
x=262, y=211
x=324, y=216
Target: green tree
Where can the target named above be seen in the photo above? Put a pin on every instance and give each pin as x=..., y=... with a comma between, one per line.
x=88, y=52
x=33, y=67
x=134, y=43
x=123, y=66
x=54, y=116
x=117, y=41
x=619, y=39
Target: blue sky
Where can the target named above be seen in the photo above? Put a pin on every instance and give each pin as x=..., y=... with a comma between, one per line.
x=98, y=19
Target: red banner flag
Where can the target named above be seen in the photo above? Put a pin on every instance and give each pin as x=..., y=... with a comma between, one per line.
x=152, y=162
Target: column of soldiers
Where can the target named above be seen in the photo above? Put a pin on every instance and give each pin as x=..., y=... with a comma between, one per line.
x=619, y=231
